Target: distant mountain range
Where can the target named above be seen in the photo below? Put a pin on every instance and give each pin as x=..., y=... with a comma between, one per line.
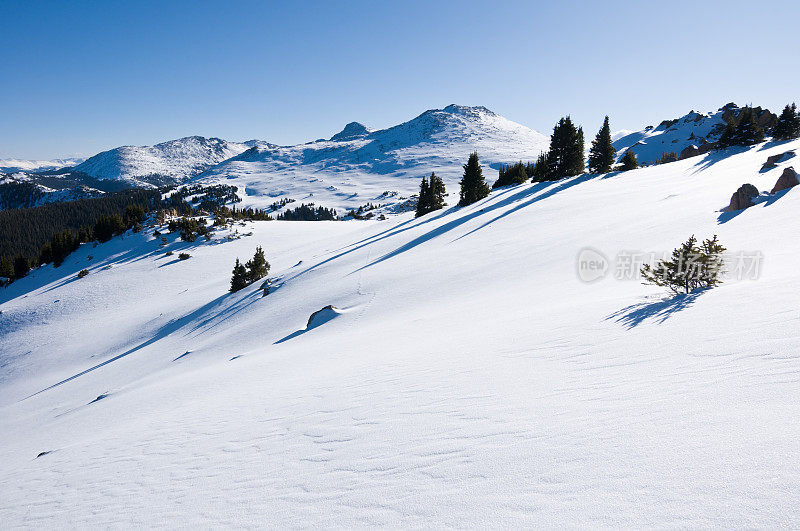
x=355, y=166
x=16, y=165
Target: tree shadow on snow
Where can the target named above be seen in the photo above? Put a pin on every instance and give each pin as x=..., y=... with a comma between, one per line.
x=521, y=199
x=213, y=313
x=408, y=225
x=659, y=310
x=717, y=155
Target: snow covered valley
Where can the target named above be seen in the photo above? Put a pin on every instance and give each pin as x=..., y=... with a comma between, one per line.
x=468, y=377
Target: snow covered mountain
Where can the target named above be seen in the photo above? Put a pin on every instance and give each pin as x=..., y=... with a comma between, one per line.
x=674, y=136
x=166, y=163
x=16, y=165
x=357, y=165
x=466, y=377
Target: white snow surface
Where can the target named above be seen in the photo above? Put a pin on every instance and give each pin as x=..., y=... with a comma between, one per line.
x=176, y=160
x=17, y=165
x=469, y=378
x=363, y=164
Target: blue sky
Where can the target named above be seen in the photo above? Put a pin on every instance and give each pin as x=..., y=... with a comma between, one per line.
x=80, y=77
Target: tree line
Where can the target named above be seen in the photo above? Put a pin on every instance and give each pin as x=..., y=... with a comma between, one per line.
x=33, y=236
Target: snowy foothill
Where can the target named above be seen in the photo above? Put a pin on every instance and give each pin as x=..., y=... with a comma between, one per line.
x=464, y=376
x=165, y=163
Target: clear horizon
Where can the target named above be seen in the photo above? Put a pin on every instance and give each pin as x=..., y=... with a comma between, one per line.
x=80, y=79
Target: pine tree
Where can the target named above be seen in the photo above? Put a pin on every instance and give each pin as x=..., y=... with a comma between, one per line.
x=541, y=170
x=748, y=131
x=6, y=267
x=690, y=267
x=577, y=155
x=511, y=175
x=424, y=198
x=45, y=255
x=257, y=267
x=239, y=277
x=21, y=266
x=437, y=192
x=629, y=161
x=602, y=154
x=788, y=126
x=711, y=263
x=565, y=157
x=473, y=187
x=728, y=136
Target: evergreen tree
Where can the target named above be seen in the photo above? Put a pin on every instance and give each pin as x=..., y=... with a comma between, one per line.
x=438, y=192
x=257, y=267
x=577, y=155
x=728, y=136
x=423, y=202
x=108, y=226
x=21, y=266
x=62, y=244
x=748, y=131
x=690, y=267
x=602, y=154
x=239, y=277
x=541, y=170
x=629, y=161
x=745, y=132
x=45, y=255
x=307, y=212
x=788, y=126
x=6, y=267
x=473, y=187
x=565, y=157
x=511, y=175
x=666, y=158
x=133, y=214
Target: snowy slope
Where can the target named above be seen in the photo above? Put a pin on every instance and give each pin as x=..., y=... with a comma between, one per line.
x=16, y=165
x=692, y=129
x=169, y=162
x=673, y=136
x=357, y=165
x=468, y=379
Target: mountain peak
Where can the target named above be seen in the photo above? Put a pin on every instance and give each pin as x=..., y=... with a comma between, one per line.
x=350, y=131
x=467, y=110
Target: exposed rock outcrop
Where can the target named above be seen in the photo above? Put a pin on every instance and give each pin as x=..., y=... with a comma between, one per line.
x=787, y=179
x=693, y=151
x=322, y=316
x=773, y=160
x=743, y=197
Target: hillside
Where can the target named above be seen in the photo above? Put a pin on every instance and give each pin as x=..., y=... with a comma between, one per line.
x=166, y=163
x=467, y=379
x=358, y=165
x=674, y=136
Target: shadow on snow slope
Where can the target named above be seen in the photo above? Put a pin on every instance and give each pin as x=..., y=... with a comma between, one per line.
x=497, y=200
x=519, y=197
x=659, y=310
x=222, y=313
